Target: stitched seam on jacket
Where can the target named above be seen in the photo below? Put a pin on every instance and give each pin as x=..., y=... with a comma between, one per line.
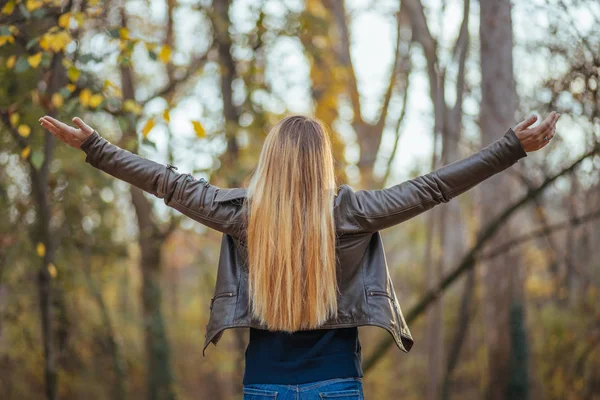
x=364, y=292
x=356, y=214
x=353, y=218
x=449, y=193
x=197, y=214
x=163, y=184
x=180, y=189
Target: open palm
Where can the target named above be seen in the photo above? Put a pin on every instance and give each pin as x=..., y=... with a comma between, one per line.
x=535, y=138
x=71, y=136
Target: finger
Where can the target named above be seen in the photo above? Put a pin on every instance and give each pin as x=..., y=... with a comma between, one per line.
x=61, y=125
x=548, y=121
x=82, y=125
x=548, y=136
x=542, y=128
x=526, y=123
x=549, y=130
x=49, y=124
x=53, y=129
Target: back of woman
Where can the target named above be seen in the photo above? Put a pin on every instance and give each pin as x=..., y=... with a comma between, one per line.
x=292, y=271
x=315, y=264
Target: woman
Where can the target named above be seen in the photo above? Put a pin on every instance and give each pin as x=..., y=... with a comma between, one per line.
x=302, y=262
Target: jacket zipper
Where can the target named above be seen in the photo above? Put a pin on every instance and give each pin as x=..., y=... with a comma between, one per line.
x=386, y=294
x=224, y=294
x=380, y=293
x=166, y=178
x=188, y=178
x=203, y=194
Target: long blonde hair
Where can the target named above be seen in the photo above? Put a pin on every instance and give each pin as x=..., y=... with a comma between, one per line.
x=291, y=231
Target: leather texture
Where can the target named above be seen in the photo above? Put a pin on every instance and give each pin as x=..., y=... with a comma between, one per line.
x=367, y=293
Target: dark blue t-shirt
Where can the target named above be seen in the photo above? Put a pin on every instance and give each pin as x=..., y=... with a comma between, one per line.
x=303, y=356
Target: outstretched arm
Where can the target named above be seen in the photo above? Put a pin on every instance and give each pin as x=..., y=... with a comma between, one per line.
x=197, y=199
x=382, y=208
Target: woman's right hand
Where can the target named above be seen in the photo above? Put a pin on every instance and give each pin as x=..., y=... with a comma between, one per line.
x=533, y=139
x=72, y=136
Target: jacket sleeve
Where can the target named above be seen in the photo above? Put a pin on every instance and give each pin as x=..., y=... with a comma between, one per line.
x=378, y=209
x=196, y=199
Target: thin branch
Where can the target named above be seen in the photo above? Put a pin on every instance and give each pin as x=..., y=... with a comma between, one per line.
x=462, y=46
x=543, y=231
x=338, y=10
x=395, y=69
x=400, y=120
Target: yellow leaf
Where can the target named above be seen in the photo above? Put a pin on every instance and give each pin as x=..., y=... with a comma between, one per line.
x=95, y=100
x=64, y=19
x=14, y=119
x=124, y=33
x=25, y=152
x=24, y=130
x=40, y=249
x=108, y=84
x=80, y=18
x=70, y=87
x=57, y=100
x=55, y=41
x=166, y=115
x=66, y=62
x=131, y=106
x=8, y=8
x=198, y=128
x=33, y=5
x=35, y=59
x=84, y=97
x=52, y=270
x=60, y=41
x=165, y=54
x=73, y=73
x=109, y=87
x=148, y=127
x=4, y=39
x=150, y=46
x=11, y=61
x=45, y=41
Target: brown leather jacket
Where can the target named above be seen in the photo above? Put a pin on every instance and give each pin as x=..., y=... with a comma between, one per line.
x=367, y=293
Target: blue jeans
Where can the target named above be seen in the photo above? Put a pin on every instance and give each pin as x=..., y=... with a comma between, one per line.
x=338, y=389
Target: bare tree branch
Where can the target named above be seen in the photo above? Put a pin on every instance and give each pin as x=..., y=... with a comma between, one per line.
x=388, y=168
x=545, y=230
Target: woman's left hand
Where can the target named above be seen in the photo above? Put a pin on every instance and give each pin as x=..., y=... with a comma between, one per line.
x=72, y=136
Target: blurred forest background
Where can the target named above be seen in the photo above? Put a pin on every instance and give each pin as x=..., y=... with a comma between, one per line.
x=105, y=291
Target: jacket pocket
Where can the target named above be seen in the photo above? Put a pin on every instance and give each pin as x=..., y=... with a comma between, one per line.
x=252, y=393
x=218, y=295
x=372, y=292
x=348, y=394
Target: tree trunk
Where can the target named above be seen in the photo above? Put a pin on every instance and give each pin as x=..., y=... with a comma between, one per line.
x=503, y=278
x=150, y=238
